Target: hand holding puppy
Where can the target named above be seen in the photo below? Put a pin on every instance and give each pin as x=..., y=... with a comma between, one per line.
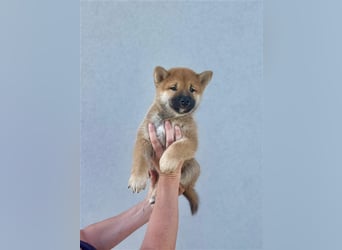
x=172, y=135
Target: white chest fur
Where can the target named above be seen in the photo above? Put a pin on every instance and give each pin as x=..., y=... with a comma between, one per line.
x=160, y=132
x=159, y=127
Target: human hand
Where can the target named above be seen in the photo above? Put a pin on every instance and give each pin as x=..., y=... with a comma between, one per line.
x=172, y=135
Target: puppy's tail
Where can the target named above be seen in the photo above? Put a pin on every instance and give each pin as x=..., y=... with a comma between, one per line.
x=191, y=195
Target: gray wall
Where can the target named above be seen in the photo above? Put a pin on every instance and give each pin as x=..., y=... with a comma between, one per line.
x=121, y=43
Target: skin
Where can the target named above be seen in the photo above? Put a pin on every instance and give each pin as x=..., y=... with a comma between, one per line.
x=162, y=216
x=163, y=226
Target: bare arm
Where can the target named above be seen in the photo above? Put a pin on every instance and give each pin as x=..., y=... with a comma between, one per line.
x=108, y=233
x=163, y=225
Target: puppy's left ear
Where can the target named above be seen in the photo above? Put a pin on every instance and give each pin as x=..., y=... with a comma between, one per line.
x=205, y=77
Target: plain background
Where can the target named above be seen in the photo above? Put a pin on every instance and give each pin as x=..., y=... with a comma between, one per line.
x=301, y=125
x=121, y=43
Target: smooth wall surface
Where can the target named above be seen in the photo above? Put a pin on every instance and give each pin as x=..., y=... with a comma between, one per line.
x=301, y=128
x=121, y=43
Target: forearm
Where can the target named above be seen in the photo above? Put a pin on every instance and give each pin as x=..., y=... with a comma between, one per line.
x=106, y=234
x=163, y=225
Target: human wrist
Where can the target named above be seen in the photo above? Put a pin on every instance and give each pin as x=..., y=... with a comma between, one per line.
x=172, y=175
x=145, y=209
x=146, y=205
x=169, y=180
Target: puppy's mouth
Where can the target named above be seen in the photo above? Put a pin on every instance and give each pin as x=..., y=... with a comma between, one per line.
x=182, y=104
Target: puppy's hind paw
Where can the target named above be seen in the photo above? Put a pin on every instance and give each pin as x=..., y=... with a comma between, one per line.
x=137, y=183
x=152, y=200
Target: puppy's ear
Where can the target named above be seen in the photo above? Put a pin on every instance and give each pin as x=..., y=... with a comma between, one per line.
x=160, y=74
x=205, y=77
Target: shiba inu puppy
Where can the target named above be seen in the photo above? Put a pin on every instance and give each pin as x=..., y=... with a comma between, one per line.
x=178, y=94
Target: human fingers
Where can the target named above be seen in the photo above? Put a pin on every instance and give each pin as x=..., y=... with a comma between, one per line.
x=178, y=133
x=169, y=131
x=157, y=147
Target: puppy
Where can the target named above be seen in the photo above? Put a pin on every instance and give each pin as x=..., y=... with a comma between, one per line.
x=178, y=94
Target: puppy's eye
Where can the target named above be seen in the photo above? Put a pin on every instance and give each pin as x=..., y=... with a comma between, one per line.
x=174, y=88
x=192, y=90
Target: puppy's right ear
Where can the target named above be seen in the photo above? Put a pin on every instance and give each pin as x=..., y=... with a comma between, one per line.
x=160, y=74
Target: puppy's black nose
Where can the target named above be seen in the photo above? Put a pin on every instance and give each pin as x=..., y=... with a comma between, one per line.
x=182, y=104
x=184, y=101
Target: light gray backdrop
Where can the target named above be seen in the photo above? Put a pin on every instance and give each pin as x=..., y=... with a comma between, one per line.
x=121, y=43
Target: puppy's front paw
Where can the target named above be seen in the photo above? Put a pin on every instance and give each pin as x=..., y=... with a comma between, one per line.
x=168, y=164
x=137, y=183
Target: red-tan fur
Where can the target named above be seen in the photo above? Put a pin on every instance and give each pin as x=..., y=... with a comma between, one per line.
x=160, y=111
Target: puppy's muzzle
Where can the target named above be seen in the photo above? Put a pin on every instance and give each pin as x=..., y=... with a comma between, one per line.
x=182, y=104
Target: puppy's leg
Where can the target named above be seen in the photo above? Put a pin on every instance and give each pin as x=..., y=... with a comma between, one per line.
x=181, y=150
x=153, y=187
x=140, y=167
x=190, y=174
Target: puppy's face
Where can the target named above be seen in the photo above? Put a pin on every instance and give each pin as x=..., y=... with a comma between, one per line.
x=179, y=90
